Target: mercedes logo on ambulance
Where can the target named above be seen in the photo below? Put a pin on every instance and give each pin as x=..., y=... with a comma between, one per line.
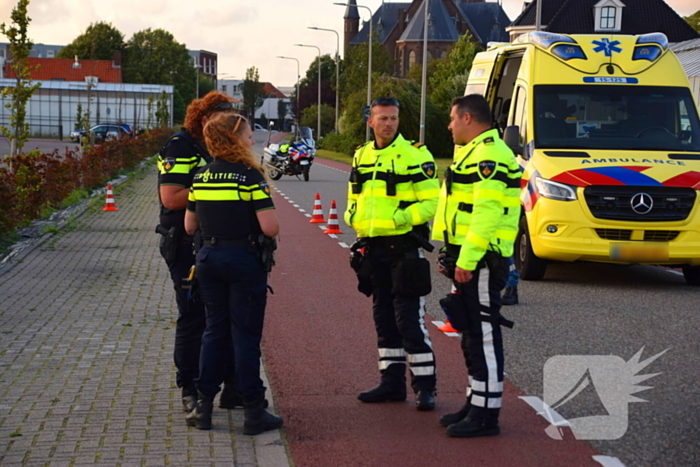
x=642, y=203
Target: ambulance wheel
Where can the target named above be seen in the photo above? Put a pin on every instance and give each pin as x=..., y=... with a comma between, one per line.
x=305, y=172
x=531, y=267
x=692, y=275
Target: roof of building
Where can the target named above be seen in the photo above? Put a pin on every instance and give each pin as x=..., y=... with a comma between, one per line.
x=688, y=53
x=351, y=10
x=441, y=27
x=384, y=20
x=62, y=69
x=487, y=20
x=638, y=17
x=107, y=87
x=271, y=90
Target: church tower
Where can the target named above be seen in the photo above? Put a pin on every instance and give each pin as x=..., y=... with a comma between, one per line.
x=352, y=24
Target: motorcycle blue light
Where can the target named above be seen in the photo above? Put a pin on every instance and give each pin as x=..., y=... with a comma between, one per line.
x=650, y=52
x=568, y=52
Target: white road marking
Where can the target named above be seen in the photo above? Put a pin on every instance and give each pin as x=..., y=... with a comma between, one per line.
x=295, y=205
x=343, y=245
x=308, y=215
x=333, y=235
x=608, y=461
x=541, y=408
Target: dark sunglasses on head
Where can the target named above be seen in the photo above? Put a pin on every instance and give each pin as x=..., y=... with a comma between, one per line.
x=221, y=106
x=385, y=102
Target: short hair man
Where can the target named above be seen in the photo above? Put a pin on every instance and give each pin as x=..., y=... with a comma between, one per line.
x=392, y=195
x=477, y=218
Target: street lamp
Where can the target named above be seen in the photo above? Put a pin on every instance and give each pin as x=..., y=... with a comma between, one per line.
x=369, y=71
x=424, y=77
x=318, y=131
x=337, y=70
x=292, y=58
x=197, y=66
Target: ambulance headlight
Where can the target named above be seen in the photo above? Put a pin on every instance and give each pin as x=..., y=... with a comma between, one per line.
x=554, y=190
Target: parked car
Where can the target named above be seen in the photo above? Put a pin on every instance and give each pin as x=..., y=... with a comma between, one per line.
x=258, y=127
x=101, y=131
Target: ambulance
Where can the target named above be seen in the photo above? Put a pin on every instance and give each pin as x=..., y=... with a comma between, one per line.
x=607, y=132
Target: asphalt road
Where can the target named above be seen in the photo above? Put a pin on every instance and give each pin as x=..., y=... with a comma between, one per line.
x=586, y=310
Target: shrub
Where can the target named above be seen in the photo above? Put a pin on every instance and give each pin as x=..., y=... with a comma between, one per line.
x=39, y=183
x=344, y=143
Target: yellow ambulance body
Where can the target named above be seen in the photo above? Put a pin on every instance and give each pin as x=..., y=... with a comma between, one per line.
x=607, y=132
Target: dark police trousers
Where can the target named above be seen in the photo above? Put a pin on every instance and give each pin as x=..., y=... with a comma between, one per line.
x=398, y=319
x=234, y=287
x=191, y=319
x=482, y=344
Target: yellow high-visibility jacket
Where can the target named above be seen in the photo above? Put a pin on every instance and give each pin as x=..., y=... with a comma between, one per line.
x=373, y=212
x=483, y=209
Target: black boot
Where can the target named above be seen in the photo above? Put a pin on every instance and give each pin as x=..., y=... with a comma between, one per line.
x=384, y=393
x=200, y=417
x=425, y=400
x=231, y=399
x=452, y=418
x=257, y=419
x=510, y=297
x=189, y=398
x=479, y=422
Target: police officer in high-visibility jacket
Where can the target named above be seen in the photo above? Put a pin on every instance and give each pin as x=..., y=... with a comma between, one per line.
x=392, y=195
x=477, y=218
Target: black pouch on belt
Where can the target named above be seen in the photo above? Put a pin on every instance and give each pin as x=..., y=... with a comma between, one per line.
x=411, y=277
x=456, y=310
x=496, y=264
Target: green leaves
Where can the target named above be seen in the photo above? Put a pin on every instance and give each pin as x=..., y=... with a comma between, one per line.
x=99, y=42
x=20, y=45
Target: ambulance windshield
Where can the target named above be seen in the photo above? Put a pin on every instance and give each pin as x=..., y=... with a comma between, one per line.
x=616, y=117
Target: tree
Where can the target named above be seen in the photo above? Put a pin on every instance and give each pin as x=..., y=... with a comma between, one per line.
x=253, y=92
x=353, y=77
x=282, y=108
x=20, y=46
x=308, y=87
x=309, y=117
x=155, y=57
x=206, y=84
x=162, y=113
x=99, y=42
x=694, y=20
x=450, y=76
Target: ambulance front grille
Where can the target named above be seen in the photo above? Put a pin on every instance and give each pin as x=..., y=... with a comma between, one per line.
x=649, y=235
x=663, y=203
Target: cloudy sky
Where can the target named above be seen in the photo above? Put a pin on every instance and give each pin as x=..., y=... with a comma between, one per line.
x=242, y=33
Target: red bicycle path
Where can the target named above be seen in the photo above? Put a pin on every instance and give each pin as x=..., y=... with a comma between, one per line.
x=319, y=350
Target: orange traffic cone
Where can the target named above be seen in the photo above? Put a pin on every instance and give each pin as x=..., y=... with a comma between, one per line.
x=447, y=327
x=109, y=204
x=333, y=226
x=317, y=217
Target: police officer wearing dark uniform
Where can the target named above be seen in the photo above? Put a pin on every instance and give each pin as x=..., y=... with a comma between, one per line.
x=477, y=218
x=230, y=202
x=392, y=195
x=181, y=156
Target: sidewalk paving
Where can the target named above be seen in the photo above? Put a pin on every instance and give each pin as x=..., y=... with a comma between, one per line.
x=87, y=324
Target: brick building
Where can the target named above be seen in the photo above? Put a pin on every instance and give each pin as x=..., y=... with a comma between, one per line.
x=399, y=27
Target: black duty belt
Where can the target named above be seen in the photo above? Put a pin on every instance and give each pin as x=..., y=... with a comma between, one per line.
x=239, y=242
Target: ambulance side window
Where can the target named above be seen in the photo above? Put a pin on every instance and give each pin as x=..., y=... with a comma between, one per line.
x=520, y=114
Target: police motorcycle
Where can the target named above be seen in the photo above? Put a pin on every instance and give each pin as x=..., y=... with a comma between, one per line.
x=290, y=159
